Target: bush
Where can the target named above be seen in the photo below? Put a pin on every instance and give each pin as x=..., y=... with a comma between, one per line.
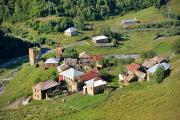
x=148, y=54
x=176, y=47
x=105, y=75
x=70, y=53
x=159, y=74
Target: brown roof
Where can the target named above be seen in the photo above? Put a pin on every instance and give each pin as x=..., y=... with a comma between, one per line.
x=151, y=62
x=129, y=78
x=158, y=59
x=133, y=67
x=90, y=75
x=44, y=85
x=140, y=74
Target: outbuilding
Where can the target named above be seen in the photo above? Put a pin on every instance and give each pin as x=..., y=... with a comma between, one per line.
x=71, y=31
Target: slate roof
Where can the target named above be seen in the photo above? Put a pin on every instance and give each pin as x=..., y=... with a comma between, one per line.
x=44, y=85
x=52, y=61
x=154, y=68
x=71, y=73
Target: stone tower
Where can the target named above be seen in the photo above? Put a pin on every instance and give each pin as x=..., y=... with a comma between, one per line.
x=34, y=55
x=58, y=50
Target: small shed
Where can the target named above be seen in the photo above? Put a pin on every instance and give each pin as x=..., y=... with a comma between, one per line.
x=71, y=31
x=130, y=22
x=100, y=39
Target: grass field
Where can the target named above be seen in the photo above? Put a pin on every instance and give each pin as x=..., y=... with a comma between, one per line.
x=174, y=6
x=136, y=42
x=146, y=16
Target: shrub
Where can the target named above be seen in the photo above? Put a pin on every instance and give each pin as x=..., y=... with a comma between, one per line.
x=105, y=75
x=70, y=53
x=148, y=54
x=159, y=74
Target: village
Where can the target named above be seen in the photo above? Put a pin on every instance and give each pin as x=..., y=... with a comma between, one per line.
x=82, y=74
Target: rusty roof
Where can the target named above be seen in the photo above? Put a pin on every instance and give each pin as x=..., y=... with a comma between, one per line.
x=90, y=75
x=44, y=85
x=133, y=66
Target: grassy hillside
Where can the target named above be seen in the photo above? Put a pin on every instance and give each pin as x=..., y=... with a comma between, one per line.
x=140, y=101
x=147, y=100
x=174, y=6
x=149, y=15
x=135, y=42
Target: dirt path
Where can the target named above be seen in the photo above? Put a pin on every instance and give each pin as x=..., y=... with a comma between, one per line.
x=15, y=104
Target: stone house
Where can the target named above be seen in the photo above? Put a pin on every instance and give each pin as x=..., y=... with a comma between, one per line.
x=52, y=62
x=71, y=31
x=126, y=78
x=44, y=88
x=71, y=77
x=94, y=86
x=34, y=55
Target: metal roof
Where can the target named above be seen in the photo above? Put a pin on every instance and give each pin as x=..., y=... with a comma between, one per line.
x=52, y=60
x=99, y=38
x=154, y=68
x=71, y=73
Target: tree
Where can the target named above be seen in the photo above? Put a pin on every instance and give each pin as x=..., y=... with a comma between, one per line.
x=159, y=74
x=70, y=53
x=105, y=75
x=176, y=47
x=79, y=23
